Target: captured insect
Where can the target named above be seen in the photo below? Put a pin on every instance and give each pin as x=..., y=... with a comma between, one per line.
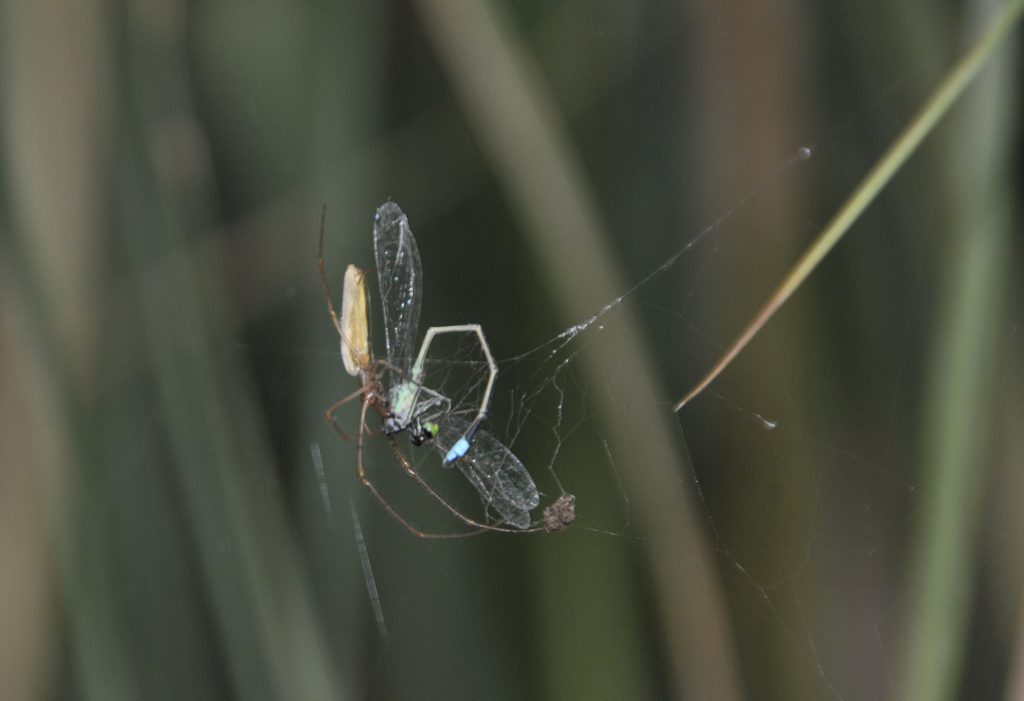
x=394, y=388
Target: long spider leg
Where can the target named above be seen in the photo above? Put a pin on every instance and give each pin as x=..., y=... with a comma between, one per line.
x=361, y=472
x=333, y=409
x=323, y=276
x=415, y=474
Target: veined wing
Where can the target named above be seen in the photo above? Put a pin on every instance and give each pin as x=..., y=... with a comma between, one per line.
x=497, y=474
x=399, y=274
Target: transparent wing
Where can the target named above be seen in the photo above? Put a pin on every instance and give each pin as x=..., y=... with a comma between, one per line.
x=399, y=274
x=504, y=484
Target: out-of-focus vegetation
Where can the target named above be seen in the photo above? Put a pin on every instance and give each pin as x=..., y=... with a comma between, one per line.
x=839, y=516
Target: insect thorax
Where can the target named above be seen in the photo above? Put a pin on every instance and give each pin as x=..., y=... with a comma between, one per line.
x=414, y=410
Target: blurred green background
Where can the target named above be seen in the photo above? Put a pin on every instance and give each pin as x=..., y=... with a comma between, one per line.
x=167, y=356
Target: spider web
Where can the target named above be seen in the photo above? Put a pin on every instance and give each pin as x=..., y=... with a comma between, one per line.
x=811, y=514
x=543, y=396
x=798, y=463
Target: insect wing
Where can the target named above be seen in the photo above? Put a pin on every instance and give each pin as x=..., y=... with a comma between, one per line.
x=494, y=471
x=399, y=274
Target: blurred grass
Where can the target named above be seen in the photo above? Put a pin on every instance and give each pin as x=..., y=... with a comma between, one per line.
x=167, y=356
x=963, y=398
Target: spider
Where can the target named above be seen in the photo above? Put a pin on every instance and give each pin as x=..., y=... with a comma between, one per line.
x=394, y=388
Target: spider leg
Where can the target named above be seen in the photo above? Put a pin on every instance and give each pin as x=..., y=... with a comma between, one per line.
x=415, y=474
x=323, y=276
x=361, y=471
x=333, y=409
